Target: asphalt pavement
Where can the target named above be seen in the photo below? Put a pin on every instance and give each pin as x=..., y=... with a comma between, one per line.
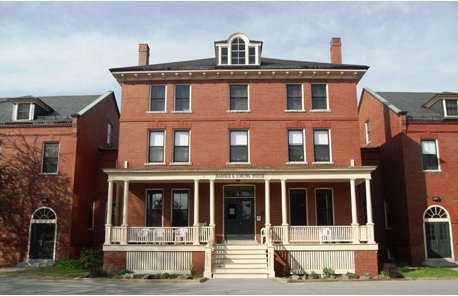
x=28, y=286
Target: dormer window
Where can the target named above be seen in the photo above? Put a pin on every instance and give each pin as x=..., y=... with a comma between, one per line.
x=238, y=50
x=28, y=108
x=451, y=108
x=23, y=111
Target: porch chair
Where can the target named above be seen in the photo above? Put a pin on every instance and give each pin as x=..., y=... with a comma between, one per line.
x=159, y=235
x=263, y=236
x=180, y=233
x=142, y=235
x=325, y=234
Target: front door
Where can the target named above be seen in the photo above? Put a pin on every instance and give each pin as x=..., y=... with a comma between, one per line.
x=239, y=219
x=438, y=240
x=42, y=241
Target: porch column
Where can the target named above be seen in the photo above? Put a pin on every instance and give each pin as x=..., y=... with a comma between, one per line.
x=212, y=211
x=370, y=223
x=354, y=217
x=125, y=213
x=196, y=213
x=267, y=211
x=284, y=218
x=108, y=224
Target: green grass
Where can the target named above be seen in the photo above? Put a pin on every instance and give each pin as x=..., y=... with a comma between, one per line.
x=418, y=272
x=62, y=269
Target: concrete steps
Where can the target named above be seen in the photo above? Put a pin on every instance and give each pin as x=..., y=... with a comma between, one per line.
x=245, y=261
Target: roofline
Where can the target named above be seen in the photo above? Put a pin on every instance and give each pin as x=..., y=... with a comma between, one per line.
x=98, y=100
x=381, y=100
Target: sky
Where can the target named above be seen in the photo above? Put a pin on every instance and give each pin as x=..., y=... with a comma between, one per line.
x=67, y=48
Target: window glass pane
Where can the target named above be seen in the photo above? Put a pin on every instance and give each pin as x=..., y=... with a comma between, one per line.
x=23, y=111
x=182, y=98
x=156, y=138
x=239, y=97
x=156, y=147
x=239, y=138
x=324, y=209
x=321, y=146
x=154, y=208
x=451, y=107
x=50, y=157
x=321, y=137
x=157, y=98
x=295, y=137
x=319, y=97
x=181, y=138
x=428, y=147
x=294, y=97
x=180, y=208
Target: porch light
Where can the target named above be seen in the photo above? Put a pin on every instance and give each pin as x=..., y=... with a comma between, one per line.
x=436, y=198
x=44, y=199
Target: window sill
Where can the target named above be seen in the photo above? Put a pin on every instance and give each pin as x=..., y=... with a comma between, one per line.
x=181, y=163
x=294, y=111
x=155, y=163
x=183, y=112
x=320, y=110
x=156, y=112
x=297, y=163
x=238, y=111
x=238, y=163
x=432, y=171
x=49, y=174
x=323, y=162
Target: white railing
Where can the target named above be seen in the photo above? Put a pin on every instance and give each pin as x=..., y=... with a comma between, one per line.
x=321, y=234
x=159, y=261
x=161, y=235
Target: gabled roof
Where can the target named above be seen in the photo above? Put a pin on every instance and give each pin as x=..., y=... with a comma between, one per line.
x=412, y=104
x=63, y=108
x=210, y=64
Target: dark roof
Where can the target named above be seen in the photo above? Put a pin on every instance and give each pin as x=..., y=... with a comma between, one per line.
x=210, y=64
x=63, y=107
x=411, y=103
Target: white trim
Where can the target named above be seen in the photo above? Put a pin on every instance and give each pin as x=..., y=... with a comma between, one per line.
x=432, y=220
x=165, y=99
x=445, y=108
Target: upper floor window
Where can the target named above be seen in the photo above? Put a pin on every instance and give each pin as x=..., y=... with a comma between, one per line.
x=109, y=134
x=319, y=97
x=451, y=107
x=157, y=103
x=296, y=146
x=50, y=158
x=23, y=111
x=181, y=146
x=238, y=50
x=182, y=98
x=430, y=155
x=239, y=97
x=238, y=151
x=156, y=147
x=322, y=146
x=294, y=97
x=367, y=129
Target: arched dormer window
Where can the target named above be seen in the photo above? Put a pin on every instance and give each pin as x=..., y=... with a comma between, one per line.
x=238, y=50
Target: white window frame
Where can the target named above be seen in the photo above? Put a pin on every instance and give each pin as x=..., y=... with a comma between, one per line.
x=302, y=109
x=256, y=45
x=329, y=144
x=31, y=111
x=175, y=145
x=149, y=145
x=248, y=110
x=43, y=158
x=248, y=146
x=367, y=130
x=436, y=142
x=327, y=98
x=445, y=108
x=304, y=161
x=147, y=203
x=175, y=98
x=165, y=99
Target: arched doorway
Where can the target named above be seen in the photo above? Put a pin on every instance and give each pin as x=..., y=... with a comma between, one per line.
x=437, y=234
x=42, y=239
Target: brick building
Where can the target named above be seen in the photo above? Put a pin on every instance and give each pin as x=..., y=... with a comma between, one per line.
x=227, y=158
x=413, y=136
x=52, y=187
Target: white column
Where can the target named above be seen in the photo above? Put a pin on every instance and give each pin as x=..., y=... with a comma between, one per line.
x=196, y=202
x=283, y=203
x=370, y=222
x=354, y=216
x=212, y=212
x=125, y=213
x=267, y=202
x=108, y=224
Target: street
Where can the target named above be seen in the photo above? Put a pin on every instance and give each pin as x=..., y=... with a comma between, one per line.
x=24, y=286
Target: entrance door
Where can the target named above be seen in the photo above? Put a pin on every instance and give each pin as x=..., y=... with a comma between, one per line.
x=42, y=241
x=438, y=239
x=239, y=218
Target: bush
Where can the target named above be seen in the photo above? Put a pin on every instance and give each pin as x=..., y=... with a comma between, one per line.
x=391, y=270
x=165, y=275
x=92, y=260
x=286, y=270
x=328, y=273
x=193, y=270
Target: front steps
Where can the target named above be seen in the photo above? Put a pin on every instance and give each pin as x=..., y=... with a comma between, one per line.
x=245, y=261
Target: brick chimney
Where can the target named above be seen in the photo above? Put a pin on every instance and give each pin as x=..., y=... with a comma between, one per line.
x=336, y=51
x=143, y=54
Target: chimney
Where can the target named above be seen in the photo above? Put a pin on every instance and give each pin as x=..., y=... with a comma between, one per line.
x=143, y=54
x=336, y=51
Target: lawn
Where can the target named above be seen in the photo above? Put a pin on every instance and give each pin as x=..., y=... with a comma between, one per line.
x=62, y=269
x=418, y=272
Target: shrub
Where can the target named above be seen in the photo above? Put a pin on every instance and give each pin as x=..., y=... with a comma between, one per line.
x=193, y=270
x=328, y=273
x=391, y=270
x=165, y=275
x=286, y=270
x=92, y=260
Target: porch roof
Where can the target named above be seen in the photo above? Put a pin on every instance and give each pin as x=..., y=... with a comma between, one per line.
x=308, y=174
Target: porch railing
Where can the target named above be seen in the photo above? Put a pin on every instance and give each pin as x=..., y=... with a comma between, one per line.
x=321, y=234
x=161, y=235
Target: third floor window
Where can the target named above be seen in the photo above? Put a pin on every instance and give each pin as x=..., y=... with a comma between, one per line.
x=294, y=97
x=157, y=103
x=239, y=97
x=182, y=98
x=319, y=97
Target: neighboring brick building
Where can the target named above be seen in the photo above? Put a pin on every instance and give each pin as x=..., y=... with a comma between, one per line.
x=414, y=137
x=224, y=152
x=52, y=188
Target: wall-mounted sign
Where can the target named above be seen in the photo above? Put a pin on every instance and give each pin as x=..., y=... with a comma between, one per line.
x=239, y=176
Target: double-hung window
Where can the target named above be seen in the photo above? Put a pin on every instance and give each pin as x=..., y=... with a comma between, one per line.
x=154, y=199
x=238, y=146
x=294, y=97
x=156, y=147
x=182, y=98
x=50, y=158
x=367, y=129
x=319, y=97
x=430, y=155
x=239, y=97
x=181, y=146
x=322, y=146
x=157, y=103
x=238, y=51
x=451, y=108
x=23, y=111
x=296, y=146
